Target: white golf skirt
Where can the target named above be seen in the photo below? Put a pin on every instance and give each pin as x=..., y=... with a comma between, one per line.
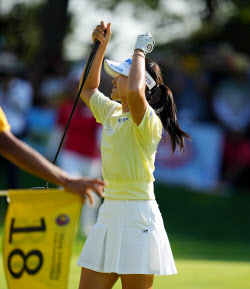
x=128, y=238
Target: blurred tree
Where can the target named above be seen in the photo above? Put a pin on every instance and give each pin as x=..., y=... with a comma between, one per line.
x=210, y=8
x=111, y=4
x=20, y=31
x=55, y=23
x=222, y=21
x=35, y=30
x=227, y=21
x=236, y=30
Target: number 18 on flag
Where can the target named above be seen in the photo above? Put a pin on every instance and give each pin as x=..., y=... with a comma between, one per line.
x=40, y=226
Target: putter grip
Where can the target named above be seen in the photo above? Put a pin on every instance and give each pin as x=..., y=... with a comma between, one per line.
x=91, y=59
x=96, y=44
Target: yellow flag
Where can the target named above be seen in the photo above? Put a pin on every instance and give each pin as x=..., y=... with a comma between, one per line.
x=40, y=226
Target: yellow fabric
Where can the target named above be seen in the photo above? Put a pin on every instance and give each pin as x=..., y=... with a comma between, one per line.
x=128, y=150
x=39, y=230
x=3, y=121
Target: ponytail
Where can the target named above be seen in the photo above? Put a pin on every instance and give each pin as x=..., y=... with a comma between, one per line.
x=168, y=117
x=160, y=98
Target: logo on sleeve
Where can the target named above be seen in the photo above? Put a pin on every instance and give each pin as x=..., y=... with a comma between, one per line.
x=150, y=115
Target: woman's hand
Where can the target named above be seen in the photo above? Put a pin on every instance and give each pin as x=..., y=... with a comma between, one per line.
x=145, y=43
x=102, y=33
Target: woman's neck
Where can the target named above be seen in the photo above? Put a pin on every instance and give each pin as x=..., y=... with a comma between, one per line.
x=125, y=107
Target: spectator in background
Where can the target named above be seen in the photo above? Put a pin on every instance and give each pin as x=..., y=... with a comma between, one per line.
x=16, y=97
x=231, y=105
x=194, y=84
x=16, y=94
x=80, y=155
x=52, y=88
x=231, y=101
x=190, y=82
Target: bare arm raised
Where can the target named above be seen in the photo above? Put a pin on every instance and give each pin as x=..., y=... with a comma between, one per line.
x=136, y=87
x=103, y=34
x=137, y=78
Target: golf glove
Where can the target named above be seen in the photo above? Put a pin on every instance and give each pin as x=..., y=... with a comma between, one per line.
x=145, y=42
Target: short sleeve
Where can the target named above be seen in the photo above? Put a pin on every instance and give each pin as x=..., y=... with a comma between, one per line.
x=4, y=126
x=150, y=128
x=101, y=106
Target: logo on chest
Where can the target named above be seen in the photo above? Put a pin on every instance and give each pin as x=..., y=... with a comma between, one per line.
x=122, y=119
x=115, y=125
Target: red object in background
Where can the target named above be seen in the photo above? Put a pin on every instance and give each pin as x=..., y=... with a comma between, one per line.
x=81, y=136
x=236, y=152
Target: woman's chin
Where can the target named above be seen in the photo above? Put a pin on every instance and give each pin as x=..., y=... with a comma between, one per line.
x=114, y=96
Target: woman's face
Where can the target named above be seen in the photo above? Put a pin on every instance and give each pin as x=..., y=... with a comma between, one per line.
x=119, y=90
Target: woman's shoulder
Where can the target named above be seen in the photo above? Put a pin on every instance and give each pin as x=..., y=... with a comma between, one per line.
x=98, y=96
x=102, y=106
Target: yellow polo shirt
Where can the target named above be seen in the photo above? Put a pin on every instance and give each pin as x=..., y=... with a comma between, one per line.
x=3, y=121
x=128, y=151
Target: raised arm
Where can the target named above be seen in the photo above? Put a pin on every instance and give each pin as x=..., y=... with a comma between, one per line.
x=136, y=97
x=103, y=34
x=136, y=87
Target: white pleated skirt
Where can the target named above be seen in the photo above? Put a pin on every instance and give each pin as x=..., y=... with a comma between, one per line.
x=128, y=238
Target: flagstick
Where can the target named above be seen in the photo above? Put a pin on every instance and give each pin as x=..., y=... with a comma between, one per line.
x=3, y=193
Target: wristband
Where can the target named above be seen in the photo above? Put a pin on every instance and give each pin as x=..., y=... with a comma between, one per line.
x=139, y=55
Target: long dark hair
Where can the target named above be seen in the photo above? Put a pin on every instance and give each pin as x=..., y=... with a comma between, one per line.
x=160, y=98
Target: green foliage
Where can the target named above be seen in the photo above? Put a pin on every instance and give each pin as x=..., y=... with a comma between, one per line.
x=30, y=28
x=111, y=4
x=21, y=30
x=195, y=216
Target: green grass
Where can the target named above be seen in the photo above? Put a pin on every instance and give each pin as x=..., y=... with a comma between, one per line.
x=209, y=236
x=192, y=273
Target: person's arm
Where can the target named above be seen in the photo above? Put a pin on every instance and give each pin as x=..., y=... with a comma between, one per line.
x=31, y=161
x=136, y=97
x=136, y=87
x=103, y=34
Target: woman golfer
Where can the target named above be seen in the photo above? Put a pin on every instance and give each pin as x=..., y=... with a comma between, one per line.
x=129, y=240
